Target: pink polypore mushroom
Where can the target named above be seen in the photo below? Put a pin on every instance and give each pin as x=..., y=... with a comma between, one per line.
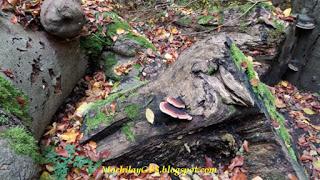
x=176, y=102
x=174, y=112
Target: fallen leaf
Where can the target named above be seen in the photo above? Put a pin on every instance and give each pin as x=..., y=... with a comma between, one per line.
x=316, y=165
x=244, y=64
x=236, y=162
x=14, y=19
x=209, y=162
x=104, y=154
x=305, y=157
x=287, y=12
x=279, y=103
x=284, y=83
x=257, y=178
x=92, y=145
x=21, y=101
x=62, y=152
x=45, y=176
x=70, y=136
x=254, y=82
x=239, y=176
x=308, y=111
x=245, y=146
x=150, y=115
x=168, y=56
x=292, y=177
x=120, y=31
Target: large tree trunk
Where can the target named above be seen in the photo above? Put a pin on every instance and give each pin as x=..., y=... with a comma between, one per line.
x=224, y=113
x=301, y=49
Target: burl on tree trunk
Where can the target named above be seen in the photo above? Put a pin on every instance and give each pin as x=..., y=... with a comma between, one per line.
x=220, y=112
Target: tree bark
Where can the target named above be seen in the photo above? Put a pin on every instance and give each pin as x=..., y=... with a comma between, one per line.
x=224, y=110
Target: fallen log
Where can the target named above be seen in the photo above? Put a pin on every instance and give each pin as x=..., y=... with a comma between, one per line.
x=211, y=110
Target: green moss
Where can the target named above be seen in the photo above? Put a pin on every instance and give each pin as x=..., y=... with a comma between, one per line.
x=109, y=62
x=185, y=21
x=115, y=96
x=140, y=40
x=99, y=119
x=94, y=43
x=126, y=129
x=132, y=111
x=277, y=32
x=3, y=119
x=9, y=101
x=204, y=20
x=22, y=142
x=265, y=95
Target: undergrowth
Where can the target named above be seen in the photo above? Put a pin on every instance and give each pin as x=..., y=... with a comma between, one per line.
x=61, y=164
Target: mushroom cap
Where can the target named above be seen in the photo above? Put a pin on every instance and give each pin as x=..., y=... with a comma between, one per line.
x=305, y=22
x=174, y=112
x=176, y=102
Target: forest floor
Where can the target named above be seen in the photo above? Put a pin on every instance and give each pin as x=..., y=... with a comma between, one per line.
x=163, y=26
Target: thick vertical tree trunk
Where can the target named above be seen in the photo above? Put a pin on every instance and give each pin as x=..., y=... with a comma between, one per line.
x=301, y=49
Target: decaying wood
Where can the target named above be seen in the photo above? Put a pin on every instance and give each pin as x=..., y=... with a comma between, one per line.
x=223, y=108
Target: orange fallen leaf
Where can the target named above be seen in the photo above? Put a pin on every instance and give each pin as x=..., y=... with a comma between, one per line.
x=92, y=145
x=254, y=82
x=292, y=177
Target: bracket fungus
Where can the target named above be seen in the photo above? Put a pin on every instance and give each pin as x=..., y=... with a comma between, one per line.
x=174, y=108
x=305, y=22
x=176, y=102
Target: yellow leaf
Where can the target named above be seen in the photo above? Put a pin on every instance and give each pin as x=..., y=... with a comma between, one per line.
x=250, y=58
x=308, y=111
x=69, y=136
x=150, y=115
x=287, y=12
x=120, y=31
x=284, y=83
x=279, y=103
x=46, y=176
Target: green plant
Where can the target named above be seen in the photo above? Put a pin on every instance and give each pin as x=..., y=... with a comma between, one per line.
x=62, y=165
x=13, y=101
x=22, y=142
x=3, y=119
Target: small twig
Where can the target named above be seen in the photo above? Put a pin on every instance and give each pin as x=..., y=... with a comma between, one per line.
x=229, y=22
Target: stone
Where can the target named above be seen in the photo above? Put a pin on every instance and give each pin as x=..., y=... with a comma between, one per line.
x=14, y=166
x=126, y=47
x=44, y=68
x=63, y=18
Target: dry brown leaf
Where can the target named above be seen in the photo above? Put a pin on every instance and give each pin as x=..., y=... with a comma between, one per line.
x=279, y=103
